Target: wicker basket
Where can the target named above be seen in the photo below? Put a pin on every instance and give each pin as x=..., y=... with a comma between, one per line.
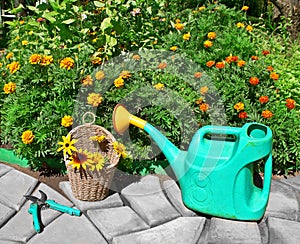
x=87, y=185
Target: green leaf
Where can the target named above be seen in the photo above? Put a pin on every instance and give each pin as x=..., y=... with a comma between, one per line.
x=49, y=16
x=18, y=9
x=99, y=4
x=111, y=41
x=106, y=24
x=68, y=21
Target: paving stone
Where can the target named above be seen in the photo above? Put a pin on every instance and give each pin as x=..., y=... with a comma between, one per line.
x=227, y=231
x=282, y=231
x=4, y=169
x=16, y=184
x=179, y=231
x=293, y=181
x=5, y=214
x=109, y=202
x=282, y=202
x=174, y=195
x=69, y=229
x=116, y=221
x=148, y=200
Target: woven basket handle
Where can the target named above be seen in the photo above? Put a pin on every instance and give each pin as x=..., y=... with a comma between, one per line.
x=84, y=118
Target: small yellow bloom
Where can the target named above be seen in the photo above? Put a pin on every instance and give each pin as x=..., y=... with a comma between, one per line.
x=87, y=81
x=201, y=8
x=94, y=99
x=240, y=25
x=35, y=58
x=10, y=87
x=177, y=21
x=186, y=36
x=9, y=55
x=136, y=57
x=98, y=138
x=96, y=60
x=179, y=26
x=13, y=67
x=30, y=33
x=239, y=106
x=119, y=149
x=67, y=121
x=245, y=8
x=46, y=60
x=98, y=161
x=249, y=28
x=208, y=44
x=125, y=74
x=27, y=137
x=159, y=86
x=21, y=22
x=67, y=63
x=81, y=159
x=119, y=82
x=99, y=75
x=67, y=145
x=24, y=43
x=211, y=35
x=203, y=90
x=173, y=48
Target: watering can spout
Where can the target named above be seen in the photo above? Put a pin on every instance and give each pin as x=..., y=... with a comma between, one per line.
x=121, y=121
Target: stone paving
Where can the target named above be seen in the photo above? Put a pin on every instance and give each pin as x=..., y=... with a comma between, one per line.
x=146, y=211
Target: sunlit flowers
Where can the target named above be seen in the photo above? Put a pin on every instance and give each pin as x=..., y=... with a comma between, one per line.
x=186, y=36
x=210, y=63
x=24, y=43
x=270, y=68
x=290, y=103
x=249, y=28
x=254, y=81
x=35, y=58
x=136, y=57
x=204, y=107
x=241, y=63
x=119, y=82
x=27, y=137
x=96, y=60
x=46, y=60
x=67, y=145
x=254, y=57
x=81, y=159
x=67, y=121
x=125, y=74
x=13, y=67
x=99, y=75
x=98, y=161
x=243, y=115
x=207, y=44
x=212, y=35
x=173, y=48
x=265, y=52
x=162, y=65
x=220, y=65
x=94, y=99
x=239, y=106
x=10, y=87
x=240, y=25
x=87, y=81
x=274, y=76
x=67, y=63
x=263, y=99
x=230, y=59
x=159, y=86
x=99, y=139
x=201, y=8
x=9, y=55
x=245, y=8
x=266, y=114
x=203, y=90
x=120, y=149
x=179, y=26
x=197, y=75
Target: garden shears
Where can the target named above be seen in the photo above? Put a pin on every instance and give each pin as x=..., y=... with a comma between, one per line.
x=42, y=203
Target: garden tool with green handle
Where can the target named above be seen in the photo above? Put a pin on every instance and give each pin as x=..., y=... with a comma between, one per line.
x=41, y=203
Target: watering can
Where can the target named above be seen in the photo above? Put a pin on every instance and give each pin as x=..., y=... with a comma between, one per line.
x=215, y=174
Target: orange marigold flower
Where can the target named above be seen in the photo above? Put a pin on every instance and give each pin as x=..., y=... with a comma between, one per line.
x=265, y=52
x=198, y=75
x=229, y=59
x=245, y=8
x=204, y=107
x=220, y=65
x=87, y=81
x=208, y=44
x=254, y=81
x=27, y=137
x=240, y=25
x=10, y=87
x=239, y=106
x=159, y=86
x=270, y=68
x=249, y=28
x=67, y=63
x=67, y=121
x=125, y=74
x=254, y=57
x=210, y=63
x=243, y=115
x=177, y=21
x=96, y=60
x=46, y=60
x=99, y=75
x=9, y=55
x=119, y=82
x=35, y=58
x=136, y=57
x=203, y=90
x=241, y=63
x=212, y=35
x=13, y=67
x=263, y=99
x=274, y=76
x=290, y=103
x=179, y=26
x=94, y=99
x=199, y=100
x=267, y=114
x=173, y=48
x=162, y=65
x=186, y=36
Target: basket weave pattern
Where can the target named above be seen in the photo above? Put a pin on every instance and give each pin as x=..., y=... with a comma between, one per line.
x=87, y=185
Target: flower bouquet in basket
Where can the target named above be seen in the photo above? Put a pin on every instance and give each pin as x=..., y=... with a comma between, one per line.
x=91, y=155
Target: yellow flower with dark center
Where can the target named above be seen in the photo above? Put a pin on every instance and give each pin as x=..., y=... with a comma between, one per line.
x=35, y=58
x=46, y=60
x=119, y=82
x=24, y=43
x=249, y=28
x=67, y=145
x=125, y=74
x=9, y=55
x=179, y=26
x=239, y=106
x=27, y=137
x=240, y=25
x=173, y=48
x=13, y=67
x=67, y=121
x=159, y=86
x=119, y=149
x=98, y=161
x=98, y=138
x=67, y=63
x=10, y=87
x=186, y=36
x=99, y=75
x=87, y=81
x=94, y=99
x=212, y=35
x=81, y=159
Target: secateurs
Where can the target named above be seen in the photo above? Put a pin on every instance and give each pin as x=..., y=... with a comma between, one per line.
x=42, y=203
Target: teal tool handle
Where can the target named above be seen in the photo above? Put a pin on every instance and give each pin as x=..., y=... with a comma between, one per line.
x=65, y=209
x=222, y=130
x=34, y=211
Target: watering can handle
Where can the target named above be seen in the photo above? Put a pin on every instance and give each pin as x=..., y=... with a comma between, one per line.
x=267, y=177
x=223, y=130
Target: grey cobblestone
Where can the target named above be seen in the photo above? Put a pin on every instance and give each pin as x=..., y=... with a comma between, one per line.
x=4, y=169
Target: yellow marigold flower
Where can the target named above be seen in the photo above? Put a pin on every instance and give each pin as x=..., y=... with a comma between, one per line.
x=211, y=35
x=208, y=44
x=10, y=87
x=35, y=58
x=240, y=25
x=159, y=86
x=87, y=81
x=24, y=43
x=239, y=106
x=1, y=65
x=201, y=8
x=249, y=28
x=67, y=145
x=21, y=22
x=186, y=36
x=67, y=63
x=9, y=55
x=177, y=21
x=17, y=38
x=204, y=107
x=46, y=60
x=98, y=138
x=81, y=159
x=119, y=149
x=173, y=48
x=136, y=57
x=27, y=137
x=245, y=8
x=67, y=121
x=96, y=60
x=179, y=26
x=13, y=67
x=94, y=99
x=125, y=74
x=99, y=75
x=241, y=63
x=203, y=90
x=119, y=82
x=266, y=114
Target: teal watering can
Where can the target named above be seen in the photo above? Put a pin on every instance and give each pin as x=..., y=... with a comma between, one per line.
x=216, y=173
